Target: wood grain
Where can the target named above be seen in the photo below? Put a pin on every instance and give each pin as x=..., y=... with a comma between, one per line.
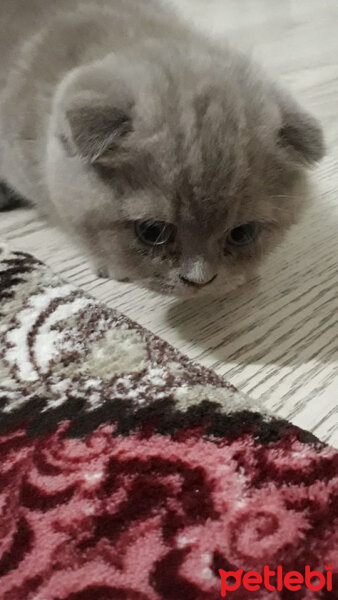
x=276, y=340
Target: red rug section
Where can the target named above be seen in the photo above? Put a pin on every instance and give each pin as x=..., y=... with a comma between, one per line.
x=149, y=516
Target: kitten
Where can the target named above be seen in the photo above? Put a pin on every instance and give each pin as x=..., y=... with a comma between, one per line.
x=174, y=162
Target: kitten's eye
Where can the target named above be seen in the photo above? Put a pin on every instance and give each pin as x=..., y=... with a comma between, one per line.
x=154, y=233
x=244, y=234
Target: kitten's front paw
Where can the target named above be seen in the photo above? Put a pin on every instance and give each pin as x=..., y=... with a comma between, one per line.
x=105, y=273
x=102, y=272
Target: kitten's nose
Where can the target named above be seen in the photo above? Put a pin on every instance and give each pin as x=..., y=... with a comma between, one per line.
x=198, y=272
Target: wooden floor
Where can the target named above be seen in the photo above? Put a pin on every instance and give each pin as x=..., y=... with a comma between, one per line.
x=279, y=342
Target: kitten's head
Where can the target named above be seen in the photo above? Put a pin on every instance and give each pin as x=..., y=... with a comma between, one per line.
x=178, y=169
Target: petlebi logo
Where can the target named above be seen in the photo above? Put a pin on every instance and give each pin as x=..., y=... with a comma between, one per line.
x=279, y=580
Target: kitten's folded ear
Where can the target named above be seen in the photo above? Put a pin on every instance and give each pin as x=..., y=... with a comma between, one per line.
x=95, y=128
x=300, y=134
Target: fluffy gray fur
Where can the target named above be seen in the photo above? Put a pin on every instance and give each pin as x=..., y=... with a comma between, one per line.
x=113, y=112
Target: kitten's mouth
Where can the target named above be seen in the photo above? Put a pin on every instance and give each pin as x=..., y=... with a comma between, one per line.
x=179, y=290
x=182, y=291
x=194, y=284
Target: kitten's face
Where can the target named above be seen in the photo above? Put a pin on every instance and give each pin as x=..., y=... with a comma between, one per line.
x=194, y=244
x=185, y=188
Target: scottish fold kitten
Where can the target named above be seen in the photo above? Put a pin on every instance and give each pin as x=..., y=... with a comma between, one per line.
x=174, y=162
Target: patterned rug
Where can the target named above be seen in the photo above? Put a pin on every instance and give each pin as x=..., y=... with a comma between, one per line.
x=128, y=472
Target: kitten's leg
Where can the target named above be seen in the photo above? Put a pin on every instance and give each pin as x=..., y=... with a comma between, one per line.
x=103, y=273
x=10, y=199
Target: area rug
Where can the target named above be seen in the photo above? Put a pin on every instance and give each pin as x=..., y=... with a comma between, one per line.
x=128, y=472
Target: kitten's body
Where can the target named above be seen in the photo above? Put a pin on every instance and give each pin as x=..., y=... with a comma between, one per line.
x=116, y=112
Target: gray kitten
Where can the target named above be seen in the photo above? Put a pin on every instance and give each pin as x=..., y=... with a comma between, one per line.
x=175, y=162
